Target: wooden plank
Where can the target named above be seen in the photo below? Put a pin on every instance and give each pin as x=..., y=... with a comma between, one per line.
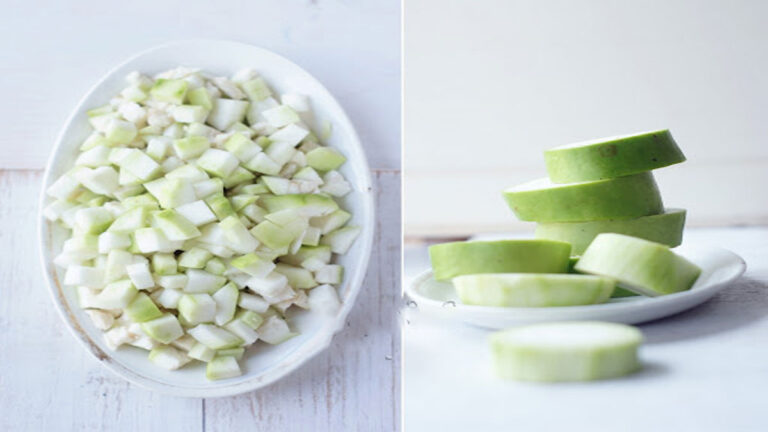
x=351, y=47
x=355, y=384
x=47, y=382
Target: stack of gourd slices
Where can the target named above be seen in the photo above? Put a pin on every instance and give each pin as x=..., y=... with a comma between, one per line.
x=599, y=214
x=606, y=186
x=601, y=223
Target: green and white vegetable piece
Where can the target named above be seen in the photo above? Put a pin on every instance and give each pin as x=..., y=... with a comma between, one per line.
x=665, y=228
x=200, y=210
x=638, y=265
x=532, y=290
x=617, y=198
x=503, y=256
x=567, y=351
x=612, y=157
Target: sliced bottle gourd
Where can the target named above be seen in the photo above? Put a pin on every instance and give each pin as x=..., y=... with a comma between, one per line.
x=567, y=351
x=665, y=228
x=168, y=357
x=532, y=290
x=612, y=157
x=164, y=329
x=638, y=265
x=617, y=198
x=618, y=292
x=190, y=190
x=142, y=309
x=222, y=367
x=503, y=256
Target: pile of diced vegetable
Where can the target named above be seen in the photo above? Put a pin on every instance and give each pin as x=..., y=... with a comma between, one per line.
x=201, y=209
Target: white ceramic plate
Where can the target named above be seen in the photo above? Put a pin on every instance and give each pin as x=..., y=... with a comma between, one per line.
x=719, y=268
x=262, y=365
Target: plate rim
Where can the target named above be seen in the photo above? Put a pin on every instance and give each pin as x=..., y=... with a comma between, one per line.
x=303, y=353
x=413, y=292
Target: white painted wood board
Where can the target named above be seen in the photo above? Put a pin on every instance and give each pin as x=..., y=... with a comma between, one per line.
x=48, y=382
x=52, y=52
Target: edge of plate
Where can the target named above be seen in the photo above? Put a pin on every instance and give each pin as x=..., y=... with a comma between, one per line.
x=307, y=352
x=412, y=290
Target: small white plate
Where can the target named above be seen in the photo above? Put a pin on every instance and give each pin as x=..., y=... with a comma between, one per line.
x=719, y=268
x=262, y=365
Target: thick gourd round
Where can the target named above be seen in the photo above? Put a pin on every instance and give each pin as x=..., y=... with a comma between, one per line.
x=638, y=265
x=612, y=157
x=567, y=351
x=532, y=290
x=503, y=256
x=665, y=228
x=619, y=198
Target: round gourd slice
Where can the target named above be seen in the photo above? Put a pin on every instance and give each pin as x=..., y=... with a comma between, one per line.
x=665, y=228
x=638, y=265
x=567, y=351
x=619, y=198
x=532, y=290
x=612, y=157
x=502, y=256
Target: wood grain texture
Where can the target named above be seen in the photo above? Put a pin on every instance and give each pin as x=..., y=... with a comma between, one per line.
x=47, y=382
x=353, y=48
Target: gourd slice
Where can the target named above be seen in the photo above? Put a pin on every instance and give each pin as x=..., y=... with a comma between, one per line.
x=532, y=290
x=567, y=351
x=618, y=198
x=638, y=265
x=665, y=228
x=612, y=157
x=502, y=256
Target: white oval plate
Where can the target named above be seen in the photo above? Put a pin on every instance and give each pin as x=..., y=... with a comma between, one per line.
x=719, y=268
x=262, y=365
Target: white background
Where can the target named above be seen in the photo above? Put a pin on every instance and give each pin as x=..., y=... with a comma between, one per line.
x=51, y=53
x=490, y=84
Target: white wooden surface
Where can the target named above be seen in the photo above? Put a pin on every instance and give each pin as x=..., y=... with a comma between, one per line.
x=490, y=84
x=705, y=369
x=47, y=382
x=52, y=52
